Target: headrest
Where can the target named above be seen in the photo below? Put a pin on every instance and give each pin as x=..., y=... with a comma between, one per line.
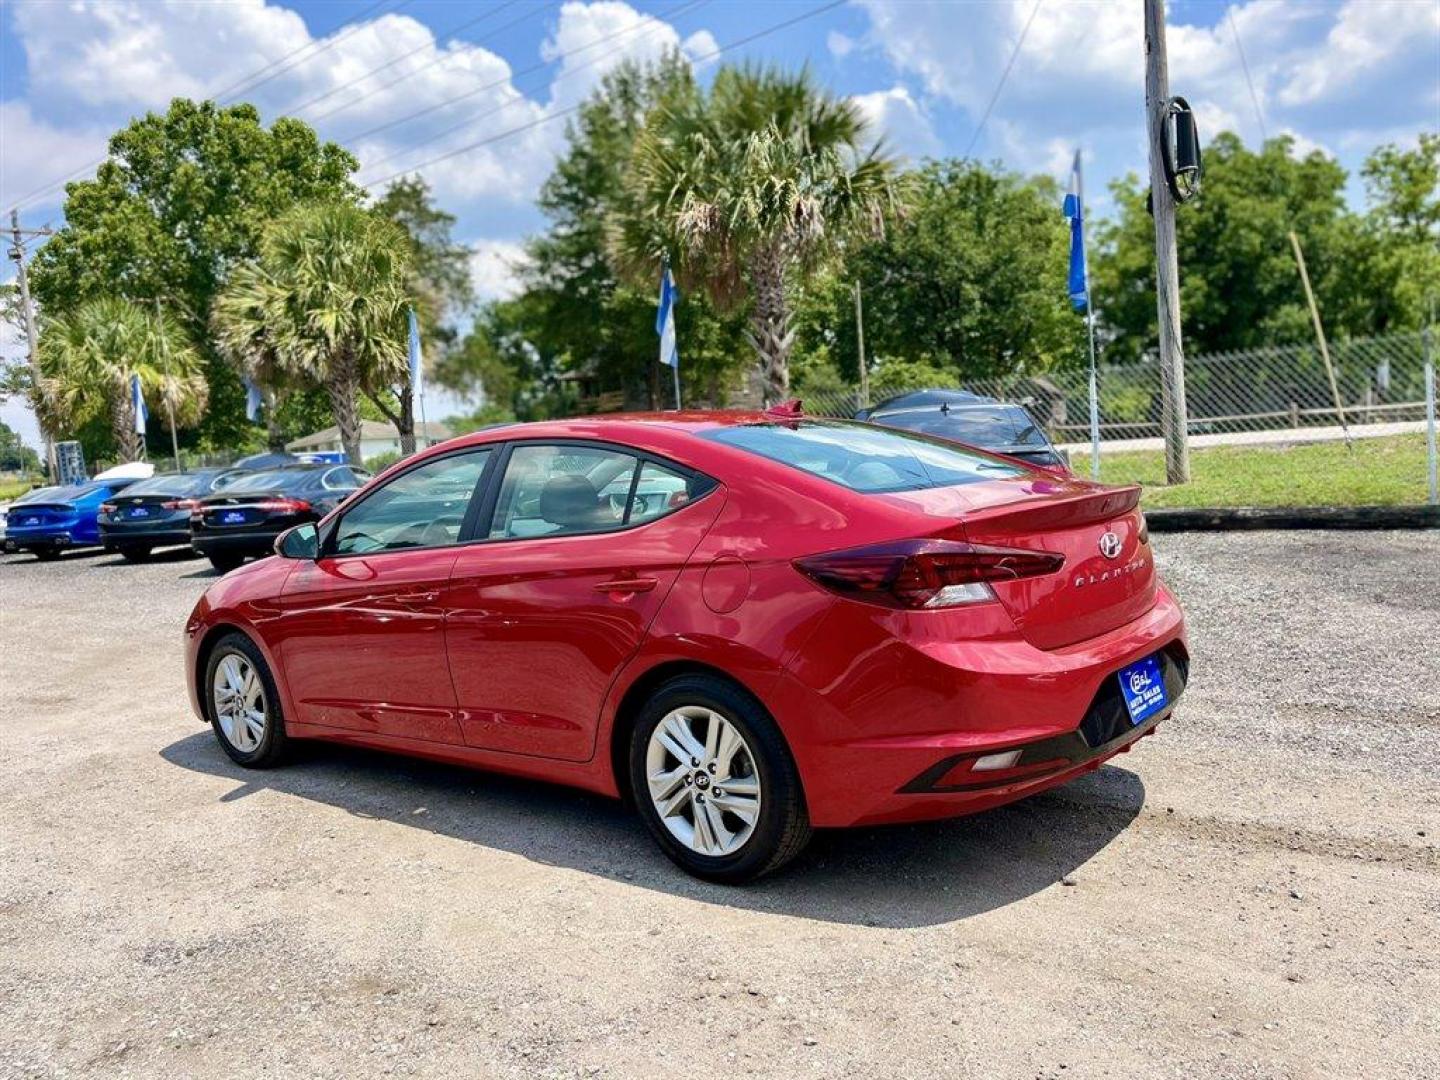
x=570, y=500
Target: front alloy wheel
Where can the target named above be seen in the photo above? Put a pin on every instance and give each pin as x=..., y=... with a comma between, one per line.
x=242, y=703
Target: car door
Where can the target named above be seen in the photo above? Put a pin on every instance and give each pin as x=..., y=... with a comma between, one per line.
x=362, y=631
x=581, y=544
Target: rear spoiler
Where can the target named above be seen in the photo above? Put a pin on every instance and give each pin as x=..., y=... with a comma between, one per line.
x=1054, y=511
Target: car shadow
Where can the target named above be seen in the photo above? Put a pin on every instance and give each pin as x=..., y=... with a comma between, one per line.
x=892, y=876
x=177, y=554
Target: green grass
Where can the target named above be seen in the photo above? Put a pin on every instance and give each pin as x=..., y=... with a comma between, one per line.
x=1377, y=472
x=13, y=489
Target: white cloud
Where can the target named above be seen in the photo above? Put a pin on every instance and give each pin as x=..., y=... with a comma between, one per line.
x=105, y=60
x=840, y=45
x=33, y=153
x=1372, y=63
x=495, y=268
x=896, y=116
x=700, y=48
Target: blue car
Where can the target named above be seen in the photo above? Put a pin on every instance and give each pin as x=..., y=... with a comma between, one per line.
x=66, y=517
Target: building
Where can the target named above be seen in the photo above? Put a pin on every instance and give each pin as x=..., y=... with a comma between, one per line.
x=376, y=437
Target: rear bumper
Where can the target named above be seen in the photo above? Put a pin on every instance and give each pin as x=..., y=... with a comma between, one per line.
x=145, y=532
x=28, y=539
x=893, y=738
x=236, y=543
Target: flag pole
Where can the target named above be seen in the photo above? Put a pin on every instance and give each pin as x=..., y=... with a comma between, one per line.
x=1090, y=326
x=675, y=368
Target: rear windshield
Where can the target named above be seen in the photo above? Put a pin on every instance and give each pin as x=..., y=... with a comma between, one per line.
x=70, y=494
x=864, y=458
x=266, y=481
x=995, y=427
x=170, y=484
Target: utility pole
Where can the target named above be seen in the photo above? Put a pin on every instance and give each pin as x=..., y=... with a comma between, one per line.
x=165, y=367
x=860, y=344
x=1167, y=269
x=27, y=312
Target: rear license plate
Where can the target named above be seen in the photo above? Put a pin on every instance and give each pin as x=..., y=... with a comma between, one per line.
x=1143, y=686
x=233, y=517
x=29, y=521
x=139, y=512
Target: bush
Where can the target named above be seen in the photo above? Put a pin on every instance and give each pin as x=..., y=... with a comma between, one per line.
x=383, y=461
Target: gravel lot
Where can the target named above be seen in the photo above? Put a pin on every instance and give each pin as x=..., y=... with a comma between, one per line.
x=1255, y=892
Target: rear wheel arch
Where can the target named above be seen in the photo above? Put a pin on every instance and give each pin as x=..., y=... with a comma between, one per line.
x=641, y=690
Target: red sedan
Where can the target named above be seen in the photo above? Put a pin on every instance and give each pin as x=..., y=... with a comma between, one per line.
x=750, y=624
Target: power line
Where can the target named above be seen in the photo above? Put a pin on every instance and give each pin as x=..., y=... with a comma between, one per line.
x=510, y=77
x=54, y=185
x=1004, y=75
x=450, y=33
x=245, y=86
x=648, y=28
x=747, y=39
x=1245, y=67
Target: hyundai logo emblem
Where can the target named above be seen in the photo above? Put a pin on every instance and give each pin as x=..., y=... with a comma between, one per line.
x=1110, y=545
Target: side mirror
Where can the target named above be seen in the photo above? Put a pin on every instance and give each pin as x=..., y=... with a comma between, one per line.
x=299, y=542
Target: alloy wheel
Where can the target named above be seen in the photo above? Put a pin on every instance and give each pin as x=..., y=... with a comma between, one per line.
x=239, y=699
x=703, y=780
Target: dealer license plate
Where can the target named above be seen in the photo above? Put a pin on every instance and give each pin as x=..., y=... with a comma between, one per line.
x=1143, y=686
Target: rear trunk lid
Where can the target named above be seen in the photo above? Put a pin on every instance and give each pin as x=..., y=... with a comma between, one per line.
x=38, y=515
x=1109, y=575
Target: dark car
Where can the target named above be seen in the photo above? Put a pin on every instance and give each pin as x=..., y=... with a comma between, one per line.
x=958, y=415
x=64, y=517
x=156, y=512
x=243, y=519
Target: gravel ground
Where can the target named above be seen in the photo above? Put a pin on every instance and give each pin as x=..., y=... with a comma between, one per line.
x=1255, y=892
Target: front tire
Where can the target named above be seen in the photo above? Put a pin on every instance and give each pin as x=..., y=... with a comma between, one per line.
x=714, y=781
x=243, y=705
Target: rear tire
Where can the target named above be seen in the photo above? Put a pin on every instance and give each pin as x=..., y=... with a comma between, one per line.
x=135, y=554
x=232, y=706
x=46, y=554
x=728, y=848
x=223, y=564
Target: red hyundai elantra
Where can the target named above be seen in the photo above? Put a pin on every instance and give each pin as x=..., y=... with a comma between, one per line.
x=751, y=624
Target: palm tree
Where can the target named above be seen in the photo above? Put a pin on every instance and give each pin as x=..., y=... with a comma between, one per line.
x=747, y=187
x=324, y=305
x=87, y=358
x=243, y=334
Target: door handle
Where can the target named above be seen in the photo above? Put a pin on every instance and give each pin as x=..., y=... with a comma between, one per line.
x=627, y=585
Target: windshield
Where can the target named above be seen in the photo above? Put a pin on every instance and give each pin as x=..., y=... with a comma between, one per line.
x=264, y=481
x=864, y=458
x=167, y=484
x=993, y=426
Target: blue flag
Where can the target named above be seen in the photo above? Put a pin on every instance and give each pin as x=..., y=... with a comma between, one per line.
x=665, y=319
x=137, y=400
x=1079, y=294
x=417, y=371
x=253, y=401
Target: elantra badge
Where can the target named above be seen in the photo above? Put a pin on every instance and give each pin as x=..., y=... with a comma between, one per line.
x=1110, y=545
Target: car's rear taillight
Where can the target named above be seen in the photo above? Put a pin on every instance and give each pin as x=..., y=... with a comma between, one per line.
x=108, y=508
x=283, y=506
x=1144, y=530
x=181, y=504
x=924, y=574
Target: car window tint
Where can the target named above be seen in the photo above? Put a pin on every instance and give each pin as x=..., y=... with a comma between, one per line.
x=424, y=507
x=554, y=490
x=170, y=484
x=659, y=491
x=865, y=458
x=269, y=480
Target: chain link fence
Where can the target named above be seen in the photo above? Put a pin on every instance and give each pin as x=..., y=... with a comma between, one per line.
x=1254, y=395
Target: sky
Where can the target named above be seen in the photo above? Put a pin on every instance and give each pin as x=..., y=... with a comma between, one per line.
x=474, y=95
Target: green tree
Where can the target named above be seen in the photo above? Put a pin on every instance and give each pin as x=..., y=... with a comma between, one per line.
x=15, y=456
x=578, y=311
x=1239, y=287
x=183, y=197
x=88, y=357
x=971, y=280
x=324, y=305
x=745, y=189
x=1394, y=278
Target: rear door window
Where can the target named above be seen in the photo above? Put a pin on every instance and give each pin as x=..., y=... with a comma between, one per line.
x=865, y=458
x=559, y=489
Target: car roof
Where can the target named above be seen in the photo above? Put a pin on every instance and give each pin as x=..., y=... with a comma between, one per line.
x=915, y=399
